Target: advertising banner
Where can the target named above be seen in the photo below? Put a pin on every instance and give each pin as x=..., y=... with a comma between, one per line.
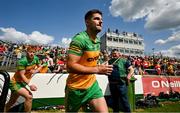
x=156, y=84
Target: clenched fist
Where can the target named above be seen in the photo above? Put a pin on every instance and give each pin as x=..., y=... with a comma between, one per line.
x=105, y=69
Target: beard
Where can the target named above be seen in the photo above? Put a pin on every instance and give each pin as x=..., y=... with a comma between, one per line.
x=97, y=29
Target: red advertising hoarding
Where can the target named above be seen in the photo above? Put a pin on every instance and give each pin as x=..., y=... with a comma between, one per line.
x=156, y=84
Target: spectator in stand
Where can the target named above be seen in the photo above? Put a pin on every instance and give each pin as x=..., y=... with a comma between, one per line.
x=106, y=58
x=158, y=68
x=50, y=62
x=59, y=65
x=145, y=63
x=138, y=67
x=103, y=58
x=18, y=52
x=4, y=53
x=170, y=69
x=3, y=48
x=151, y=63
x=44, y=63
x=164, y=67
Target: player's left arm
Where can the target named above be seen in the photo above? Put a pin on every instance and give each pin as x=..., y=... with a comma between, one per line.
x=39, y=66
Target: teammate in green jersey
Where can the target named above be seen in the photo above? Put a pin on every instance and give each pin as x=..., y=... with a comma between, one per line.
x=26, y=67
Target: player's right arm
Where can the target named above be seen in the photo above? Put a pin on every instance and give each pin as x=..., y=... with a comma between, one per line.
x=74, y=67
x=23, y=77
x=21, y=69
x=74, y=55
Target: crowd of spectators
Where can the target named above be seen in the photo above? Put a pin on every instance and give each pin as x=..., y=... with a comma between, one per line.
x=150, y=65
x=55, y=59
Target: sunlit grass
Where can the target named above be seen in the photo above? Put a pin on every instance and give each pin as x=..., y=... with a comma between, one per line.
x=164, y=107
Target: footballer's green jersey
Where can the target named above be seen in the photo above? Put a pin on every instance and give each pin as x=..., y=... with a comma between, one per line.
x=82, y=45
x=24, y=64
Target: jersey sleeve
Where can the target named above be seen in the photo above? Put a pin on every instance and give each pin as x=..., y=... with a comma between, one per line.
x=37, y=60
x=76, y=46
x=21, y=64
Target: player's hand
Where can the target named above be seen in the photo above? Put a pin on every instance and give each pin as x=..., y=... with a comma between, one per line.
x=105, y=69
x=34, y=71
x=33, y=87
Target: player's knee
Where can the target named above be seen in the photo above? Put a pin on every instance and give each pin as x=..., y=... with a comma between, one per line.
x=29, y=98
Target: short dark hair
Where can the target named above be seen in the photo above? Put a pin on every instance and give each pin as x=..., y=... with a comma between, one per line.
x=89, y=14
x=114, y=50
